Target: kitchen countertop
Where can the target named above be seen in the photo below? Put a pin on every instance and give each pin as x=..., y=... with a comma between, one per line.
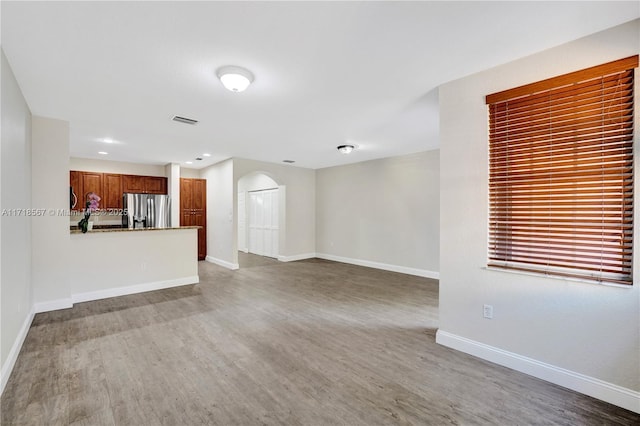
x=76, y=230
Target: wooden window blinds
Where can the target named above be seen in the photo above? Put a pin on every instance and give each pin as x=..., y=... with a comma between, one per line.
x=561, y=174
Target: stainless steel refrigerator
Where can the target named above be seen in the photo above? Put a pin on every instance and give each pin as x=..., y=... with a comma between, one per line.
x=146, y=211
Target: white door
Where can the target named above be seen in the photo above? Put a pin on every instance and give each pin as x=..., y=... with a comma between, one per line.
x=263, y=222
x=242, y=222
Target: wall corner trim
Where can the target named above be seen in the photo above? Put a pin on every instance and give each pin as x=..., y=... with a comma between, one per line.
x=10, y=362
x=384, y=266
x=295, y=257
x=53, y=305
x=224, y=263
x=605, y=391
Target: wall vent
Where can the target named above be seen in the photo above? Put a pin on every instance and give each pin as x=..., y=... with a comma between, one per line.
x=184, y=120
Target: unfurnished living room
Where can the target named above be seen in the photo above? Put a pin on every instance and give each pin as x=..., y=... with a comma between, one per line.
x=319, y=213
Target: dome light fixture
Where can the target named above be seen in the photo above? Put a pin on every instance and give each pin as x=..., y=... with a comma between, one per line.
x=346, y=149
x=234, y=78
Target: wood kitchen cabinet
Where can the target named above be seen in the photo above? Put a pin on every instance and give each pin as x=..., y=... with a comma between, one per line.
x=144, y=184
x=112, y=195
x=90, y=182
x=193, y=209
x=110, y=187
x=76, y=191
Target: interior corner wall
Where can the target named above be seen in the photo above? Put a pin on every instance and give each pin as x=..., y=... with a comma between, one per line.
x=587, y=329
x=50, y=193
x=221, y=244
x=298, y=188
x=15, y=228
x=382, y=212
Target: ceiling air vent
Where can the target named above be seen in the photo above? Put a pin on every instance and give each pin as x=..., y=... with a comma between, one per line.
x=184, y=120
x=288, y=161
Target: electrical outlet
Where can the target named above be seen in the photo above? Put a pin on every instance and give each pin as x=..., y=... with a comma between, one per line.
x=487, y=311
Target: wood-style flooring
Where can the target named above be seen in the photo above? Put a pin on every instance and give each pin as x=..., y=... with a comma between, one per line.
x=302, y=343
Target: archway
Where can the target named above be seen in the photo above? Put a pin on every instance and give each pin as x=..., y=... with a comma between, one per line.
x=260, y=215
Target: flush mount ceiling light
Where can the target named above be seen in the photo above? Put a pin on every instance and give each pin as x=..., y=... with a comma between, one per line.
x=103, y=153
x=234, y=78
x=346, y=149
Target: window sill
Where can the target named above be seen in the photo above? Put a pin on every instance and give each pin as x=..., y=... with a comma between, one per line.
x=557, y=277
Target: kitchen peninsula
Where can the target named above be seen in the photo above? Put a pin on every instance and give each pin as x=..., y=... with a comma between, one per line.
x=117, y=261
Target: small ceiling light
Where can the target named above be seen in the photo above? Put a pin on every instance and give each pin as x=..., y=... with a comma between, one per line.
x=188, y=162
x=206, y=155
x=346, y=149
x=107, y=140
x=234, y=78
x=103, y=153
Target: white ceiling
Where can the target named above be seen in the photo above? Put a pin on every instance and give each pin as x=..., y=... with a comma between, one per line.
x=326, y=73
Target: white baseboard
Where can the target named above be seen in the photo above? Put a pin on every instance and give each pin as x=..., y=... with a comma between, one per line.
x=10, y=362
x=295, y=257
x=133, y=289
x=53, y=305
x=384, y=266
x=605, y=391
x=224, y=263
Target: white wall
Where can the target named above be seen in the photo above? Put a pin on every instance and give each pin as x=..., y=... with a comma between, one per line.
x=15, y=249
x=383, y=212
x=297, y=187
x=589, y=329
x=118, y=167
x=189, y=173
x=50, y=191
x=221, y=242
x=104, y=262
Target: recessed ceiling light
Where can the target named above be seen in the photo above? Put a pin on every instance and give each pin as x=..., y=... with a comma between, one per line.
x=108, y=140
x=103, y=153
x=206, y=155
x=188, y=162
x=346, y=149
x=234, y=78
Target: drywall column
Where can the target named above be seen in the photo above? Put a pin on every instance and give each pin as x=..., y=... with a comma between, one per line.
x=50, y=196
x=172, y=171
x=15, y=193
x=221, y=243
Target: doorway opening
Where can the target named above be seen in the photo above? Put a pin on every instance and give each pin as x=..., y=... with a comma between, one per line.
x=260, y=213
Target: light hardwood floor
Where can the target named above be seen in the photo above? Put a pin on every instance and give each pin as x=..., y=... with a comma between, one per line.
x=302, y=343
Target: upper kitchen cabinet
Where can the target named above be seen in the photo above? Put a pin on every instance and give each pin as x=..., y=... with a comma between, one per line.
x=112, y=196
x=76, y=191
x=144, y=184
x=155, y=185
x=90, y=182
x=110, y=187
x=133, y=184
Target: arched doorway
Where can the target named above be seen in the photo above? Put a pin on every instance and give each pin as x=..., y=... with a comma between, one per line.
x=260, y=210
